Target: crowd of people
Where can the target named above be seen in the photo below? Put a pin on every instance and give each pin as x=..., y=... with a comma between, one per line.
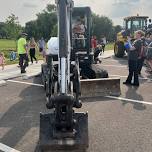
x=28, y=49
x=98, y=46
x=25, y=50
x=139, y=52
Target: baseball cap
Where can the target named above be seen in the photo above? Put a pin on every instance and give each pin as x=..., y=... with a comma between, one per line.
x=23, y=33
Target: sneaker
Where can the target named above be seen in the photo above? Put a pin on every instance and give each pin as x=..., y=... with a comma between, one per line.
x=127, y=83
x=136, y=84
x=23, y=71
x=100, y=61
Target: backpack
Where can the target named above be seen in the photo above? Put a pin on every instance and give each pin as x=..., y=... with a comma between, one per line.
x=143, y=53
x=149, y=53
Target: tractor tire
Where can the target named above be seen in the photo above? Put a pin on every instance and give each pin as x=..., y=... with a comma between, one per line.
x=119, y=49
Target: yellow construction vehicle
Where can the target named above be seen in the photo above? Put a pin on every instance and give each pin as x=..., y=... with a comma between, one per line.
x=131, y=24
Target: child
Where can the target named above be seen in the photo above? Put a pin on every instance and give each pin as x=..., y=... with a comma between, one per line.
x=2, y=60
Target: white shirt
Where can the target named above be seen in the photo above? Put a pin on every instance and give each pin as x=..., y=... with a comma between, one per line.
x=53, y=46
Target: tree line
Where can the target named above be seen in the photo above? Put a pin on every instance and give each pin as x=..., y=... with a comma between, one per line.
x=46, y=26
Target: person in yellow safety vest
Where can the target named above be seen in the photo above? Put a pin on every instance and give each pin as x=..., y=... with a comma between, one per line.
x=22, y=49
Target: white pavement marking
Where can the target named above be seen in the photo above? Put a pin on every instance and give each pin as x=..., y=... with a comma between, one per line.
x=130, y=100
x=126, y=77
x=6, y=148
x=2, y=83
x=112, y=97
x=118, y=66
x=34, y=84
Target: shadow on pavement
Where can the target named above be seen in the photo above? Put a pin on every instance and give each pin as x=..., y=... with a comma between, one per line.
x=23, y=115
x=132, y=94
x=95, y=99
x=122, y=61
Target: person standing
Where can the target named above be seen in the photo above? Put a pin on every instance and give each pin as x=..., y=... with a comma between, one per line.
x=133, y=54
x=32, y=46
x=2, y=60
x=103, y=43
x=142, y=56
x=95, y=49
x=93, y=43
x=149, y=58
x=41, y=45
x=22, y=49
x=150, y=24
x=149, y=53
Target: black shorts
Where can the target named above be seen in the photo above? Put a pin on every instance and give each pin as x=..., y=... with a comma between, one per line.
x=40, y=49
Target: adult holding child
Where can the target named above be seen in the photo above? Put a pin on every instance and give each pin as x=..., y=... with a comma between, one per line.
x=133, y=56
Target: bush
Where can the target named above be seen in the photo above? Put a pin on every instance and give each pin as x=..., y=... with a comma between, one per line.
x=7, y=52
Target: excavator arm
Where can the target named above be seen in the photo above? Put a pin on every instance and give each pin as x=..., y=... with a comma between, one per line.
x=64, y=128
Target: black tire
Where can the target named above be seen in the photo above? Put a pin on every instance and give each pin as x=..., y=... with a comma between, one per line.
x=119, y=49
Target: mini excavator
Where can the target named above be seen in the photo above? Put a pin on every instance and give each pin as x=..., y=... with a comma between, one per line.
x=63, y=128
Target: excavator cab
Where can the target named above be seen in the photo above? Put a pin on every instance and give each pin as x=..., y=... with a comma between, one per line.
x=81, y=34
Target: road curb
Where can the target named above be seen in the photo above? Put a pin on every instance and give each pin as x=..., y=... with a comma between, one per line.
x=23, y=76
x=12, y=77
x=26, y=77
x=2, y=83
x=106, y=57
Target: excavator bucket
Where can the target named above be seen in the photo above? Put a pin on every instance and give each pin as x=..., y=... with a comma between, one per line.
x=50, y=141
x=100, y=87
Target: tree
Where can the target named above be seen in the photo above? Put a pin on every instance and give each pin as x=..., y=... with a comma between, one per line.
x=102, y=26
x=12, y=27
x=44, y=25
x=116, y=29
x=54, y=30
x=2, y=30
x=32, y=29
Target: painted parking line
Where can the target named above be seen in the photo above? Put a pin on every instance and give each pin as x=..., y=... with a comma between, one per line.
x=142, y=78
x=129, y=100
x=34, y=84
x=112, y=97
x=118, y=66
x=5, y=148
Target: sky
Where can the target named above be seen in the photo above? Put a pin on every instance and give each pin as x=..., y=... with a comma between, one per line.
x=116, y=10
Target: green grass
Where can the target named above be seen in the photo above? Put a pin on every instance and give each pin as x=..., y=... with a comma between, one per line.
x=7, y=44
x=8, y=62
x=109, y=46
